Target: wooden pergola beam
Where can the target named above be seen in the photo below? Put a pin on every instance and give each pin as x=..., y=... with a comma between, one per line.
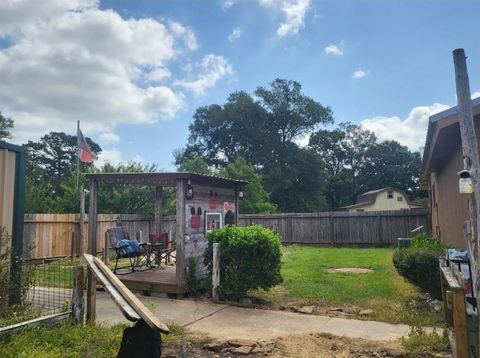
x=92, y=248
x=158, y=209
x=180, y=223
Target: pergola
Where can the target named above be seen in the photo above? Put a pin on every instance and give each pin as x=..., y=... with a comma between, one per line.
x=198, y=198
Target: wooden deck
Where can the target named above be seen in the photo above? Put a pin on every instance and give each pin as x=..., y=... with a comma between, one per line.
x=158, y=280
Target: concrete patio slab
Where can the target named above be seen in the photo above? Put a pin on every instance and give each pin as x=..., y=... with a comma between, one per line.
x=223, y=322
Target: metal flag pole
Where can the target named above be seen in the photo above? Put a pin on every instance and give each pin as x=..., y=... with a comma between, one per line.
x=78, y=154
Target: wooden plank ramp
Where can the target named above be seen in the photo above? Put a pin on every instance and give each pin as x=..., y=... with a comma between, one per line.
x=131, y=307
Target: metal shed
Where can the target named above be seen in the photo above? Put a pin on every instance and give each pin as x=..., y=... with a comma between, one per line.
x=13, y=160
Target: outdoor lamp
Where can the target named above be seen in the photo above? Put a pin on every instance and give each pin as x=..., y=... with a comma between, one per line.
x=189, y=194
x=240, y=193
x=465, y=182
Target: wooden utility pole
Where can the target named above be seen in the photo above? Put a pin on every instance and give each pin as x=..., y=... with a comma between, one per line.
x=472, y=164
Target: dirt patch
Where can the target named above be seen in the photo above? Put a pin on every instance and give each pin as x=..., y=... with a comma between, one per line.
x=307, y=346
x=354, y=270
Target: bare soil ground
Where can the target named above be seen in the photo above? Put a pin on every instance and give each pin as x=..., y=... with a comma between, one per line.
x=305, y=346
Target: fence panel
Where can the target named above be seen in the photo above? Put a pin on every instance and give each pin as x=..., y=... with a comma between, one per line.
x=343, y=228
x=50, y=234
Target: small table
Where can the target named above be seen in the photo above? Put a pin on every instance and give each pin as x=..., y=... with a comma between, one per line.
x=159, y=251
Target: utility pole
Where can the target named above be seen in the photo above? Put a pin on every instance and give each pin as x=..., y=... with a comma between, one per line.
x=472, y=164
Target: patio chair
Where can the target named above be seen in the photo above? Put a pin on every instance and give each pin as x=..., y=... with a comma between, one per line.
x=161, y=247
x=137, y=254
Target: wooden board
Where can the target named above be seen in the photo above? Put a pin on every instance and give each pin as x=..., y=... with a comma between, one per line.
x=132, y=308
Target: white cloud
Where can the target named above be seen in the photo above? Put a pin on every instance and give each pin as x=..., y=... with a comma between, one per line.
x=184, y=33
x=17, y=15
x=410, y=131
x=359, y=74
x=235, y=34
x=210, y=70
x=68, y=60
x=110, y=137
x=158, y=74
x=475, y=94
x=226, y=4
x=138, y=159
x=112, y=156
x=334, y=50
x=294, y=12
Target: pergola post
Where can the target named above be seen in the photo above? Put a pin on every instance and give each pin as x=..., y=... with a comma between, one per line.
x=158, y=209
x=180, y=224
x=92, y=248
x=237, y=207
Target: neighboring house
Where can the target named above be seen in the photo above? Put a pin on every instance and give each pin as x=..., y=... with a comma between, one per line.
x=442, y=160
x=382, y=200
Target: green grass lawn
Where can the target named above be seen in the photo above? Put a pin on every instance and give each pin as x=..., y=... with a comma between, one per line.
x=384, y=290
x=72, y=341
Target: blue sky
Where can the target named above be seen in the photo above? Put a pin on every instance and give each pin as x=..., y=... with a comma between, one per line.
x=134, y=72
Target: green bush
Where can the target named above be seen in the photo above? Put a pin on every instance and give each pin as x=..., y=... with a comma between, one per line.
x=419, y=263
x=428, y=243
x=250, y=259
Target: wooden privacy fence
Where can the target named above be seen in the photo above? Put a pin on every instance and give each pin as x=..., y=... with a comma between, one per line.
x=50, y=235
x=343, y=228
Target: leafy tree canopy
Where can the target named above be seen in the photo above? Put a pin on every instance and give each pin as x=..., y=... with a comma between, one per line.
x=6, y=126
x=56, y=154
x=257, y=199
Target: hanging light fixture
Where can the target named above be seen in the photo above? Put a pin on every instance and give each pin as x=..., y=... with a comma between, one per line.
x=241, y=194
x=189, y=194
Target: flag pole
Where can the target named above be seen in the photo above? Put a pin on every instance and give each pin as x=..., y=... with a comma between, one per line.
x=78, y=154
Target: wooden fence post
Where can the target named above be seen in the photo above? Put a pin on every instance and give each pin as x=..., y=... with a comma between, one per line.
x=460, y=322
x=73, y=244
x=78, y=304
x=81, y=223
x=215, y=271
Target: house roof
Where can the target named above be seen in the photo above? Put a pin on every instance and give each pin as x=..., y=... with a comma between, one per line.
x=165, y=179
x=369, y=197
x=442, y=126
x=12, y=147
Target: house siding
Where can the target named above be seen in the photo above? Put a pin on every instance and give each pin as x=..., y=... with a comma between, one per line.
x=449, y=208
x=382, y=203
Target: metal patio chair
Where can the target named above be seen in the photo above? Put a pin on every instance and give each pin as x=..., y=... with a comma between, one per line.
x=138, y=254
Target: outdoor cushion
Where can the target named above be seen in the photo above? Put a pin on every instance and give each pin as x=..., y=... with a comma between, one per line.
x=128, y=247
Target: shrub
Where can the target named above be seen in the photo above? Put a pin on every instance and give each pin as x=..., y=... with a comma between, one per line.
x=419, y=263
x=419, y=341
x=250, y=259
x=428, y=243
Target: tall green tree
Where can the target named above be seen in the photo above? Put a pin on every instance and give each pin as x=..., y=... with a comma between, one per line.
x=263, y=132
x=195, y=165
x=391, y=164
x=6, y=126
x=290, y=112
x=56, y=154
x=125, y=198
x=298, y=185
x=221, y=133
x=356, y=163
x=257, y=199
x=343, y=152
